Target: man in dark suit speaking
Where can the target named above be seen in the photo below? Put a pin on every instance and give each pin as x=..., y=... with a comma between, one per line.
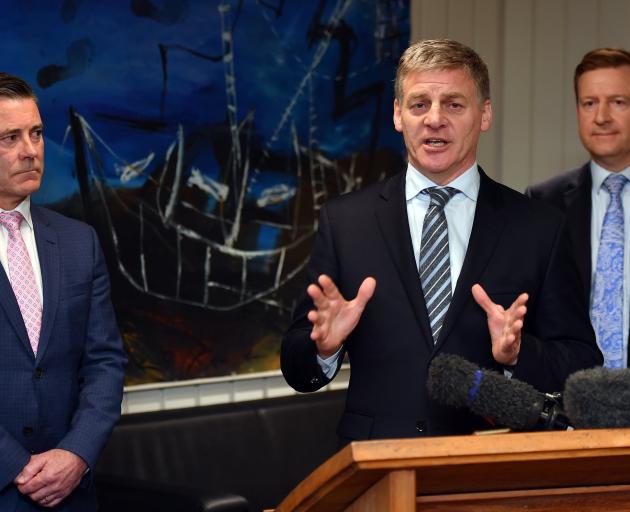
x=596, y=198
x=444, y=260
x=61, y=356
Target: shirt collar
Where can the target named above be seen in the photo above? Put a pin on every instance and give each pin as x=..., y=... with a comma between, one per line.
x=467, y=182
x=599, y=174
x=25, y=209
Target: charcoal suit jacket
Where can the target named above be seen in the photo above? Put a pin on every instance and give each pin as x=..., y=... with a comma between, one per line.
x=69, y=395
x=514, y=247
x=571, y=193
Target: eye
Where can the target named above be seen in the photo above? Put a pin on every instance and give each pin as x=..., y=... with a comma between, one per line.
x=11, y=138
x=455, y=106
x=588, y=104
x=36, y=135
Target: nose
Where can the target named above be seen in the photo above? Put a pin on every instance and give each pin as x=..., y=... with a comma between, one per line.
x=28, y=149
x=434, y=117
x=602, y=115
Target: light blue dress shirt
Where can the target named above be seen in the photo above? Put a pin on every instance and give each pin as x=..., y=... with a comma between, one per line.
x=459, y=212
x=599, y=201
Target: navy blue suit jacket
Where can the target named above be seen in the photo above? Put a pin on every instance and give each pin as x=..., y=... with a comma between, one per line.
x=68, y=396
x=515, y=246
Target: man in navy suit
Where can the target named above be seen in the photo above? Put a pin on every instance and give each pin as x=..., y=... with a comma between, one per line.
x=602, y=92
x=61, y=356
x=444, y=260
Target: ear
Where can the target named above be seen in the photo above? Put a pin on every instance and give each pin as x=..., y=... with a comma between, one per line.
x=397, y=116
x=486, y=116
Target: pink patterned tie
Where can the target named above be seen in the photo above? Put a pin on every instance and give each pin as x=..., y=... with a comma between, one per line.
x=22, y=277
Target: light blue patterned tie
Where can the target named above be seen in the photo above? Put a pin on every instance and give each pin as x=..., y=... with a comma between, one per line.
x=607, y=300
x=435, y=264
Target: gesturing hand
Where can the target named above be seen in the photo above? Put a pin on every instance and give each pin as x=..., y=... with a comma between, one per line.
x=505, y=325
x=334, y=317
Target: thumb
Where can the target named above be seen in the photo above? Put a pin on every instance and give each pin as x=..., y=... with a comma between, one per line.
x=366, y=291
x=34, y=466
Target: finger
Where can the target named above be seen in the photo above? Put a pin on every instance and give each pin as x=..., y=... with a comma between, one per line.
x=328, y=287
x=317, y=296
x=33, y=467
x=366, y=291
x=34, y=485
x=482, y=298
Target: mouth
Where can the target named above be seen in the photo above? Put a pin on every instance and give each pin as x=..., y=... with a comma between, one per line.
x=435, y=142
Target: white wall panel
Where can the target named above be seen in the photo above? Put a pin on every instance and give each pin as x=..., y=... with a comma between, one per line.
x=548, y=87
x=516, y=107
x=581, y=24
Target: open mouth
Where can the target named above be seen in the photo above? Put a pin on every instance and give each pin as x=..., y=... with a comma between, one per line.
x=435, y=142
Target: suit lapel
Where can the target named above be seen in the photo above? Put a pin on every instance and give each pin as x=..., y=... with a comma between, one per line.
x=487, y=227
x=47, y=250
x=391, y=216
x=577, y=198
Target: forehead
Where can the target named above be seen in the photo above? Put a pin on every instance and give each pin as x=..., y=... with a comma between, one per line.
x=607, y=81
x=439, y=81
x=18, y=113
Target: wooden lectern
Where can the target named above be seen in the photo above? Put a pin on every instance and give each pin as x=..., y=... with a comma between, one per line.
x=561, y=471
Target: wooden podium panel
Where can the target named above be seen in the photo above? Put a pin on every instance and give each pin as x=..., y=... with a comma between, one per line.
x=586, y=470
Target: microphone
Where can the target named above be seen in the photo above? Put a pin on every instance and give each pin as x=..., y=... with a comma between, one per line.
x=455, y=381
x=598, y=398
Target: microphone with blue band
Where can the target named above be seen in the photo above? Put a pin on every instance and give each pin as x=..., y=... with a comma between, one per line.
x=456, y=382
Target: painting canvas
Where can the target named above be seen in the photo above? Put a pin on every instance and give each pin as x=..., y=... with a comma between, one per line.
x=200, y=139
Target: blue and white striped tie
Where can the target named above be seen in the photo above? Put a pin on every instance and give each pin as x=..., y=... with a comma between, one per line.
x=607, y=299
x=435, y=264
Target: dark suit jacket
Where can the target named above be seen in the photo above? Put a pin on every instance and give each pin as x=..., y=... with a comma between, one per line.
x=69, y=395
x=514, y=247
x=570, y=192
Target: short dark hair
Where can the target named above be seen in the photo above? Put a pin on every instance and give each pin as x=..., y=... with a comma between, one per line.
x=600, y=58
x=433, y=54
x=14, y=87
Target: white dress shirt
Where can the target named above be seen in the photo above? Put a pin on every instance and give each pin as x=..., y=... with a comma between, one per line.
x=600, y=198
x=28, y=235
x=459, y=212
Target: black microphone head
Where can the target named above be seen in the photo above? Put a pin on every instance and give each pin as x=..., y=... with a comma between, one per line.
x=598, y=398
x=456, y=382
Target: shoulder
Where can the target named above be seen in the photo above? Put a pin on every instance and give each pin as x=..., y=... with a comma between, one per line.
x=389, y=189
x=518, y=206
x=60, y=223
x=554, y=188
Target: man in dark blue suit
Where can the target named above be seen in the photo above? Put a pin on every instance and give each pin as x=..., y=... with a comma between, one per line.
x=444, y=260
x=61, y=356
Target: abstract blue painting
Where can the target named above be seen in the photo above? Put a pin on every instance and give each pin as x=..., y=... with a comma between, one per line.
x=200, y=138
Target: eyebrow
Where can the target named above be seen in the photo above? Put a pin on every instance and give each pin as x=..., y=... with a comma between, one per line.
x=448, y=96
x=38, y=126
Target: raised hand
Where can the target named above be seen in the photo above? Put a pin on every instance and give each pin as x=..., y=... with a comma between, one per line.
x=505, y=325
x=334, y=317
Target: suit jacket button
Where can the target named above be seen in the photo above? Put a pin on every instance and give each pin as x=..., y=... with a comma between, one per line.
x=421, y=426
x=39, y=372
x=27, y=431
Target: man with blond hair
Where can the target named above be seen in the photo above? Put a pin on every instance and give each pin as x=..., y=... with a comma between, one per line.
x=445, y=260
x=596, y=200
